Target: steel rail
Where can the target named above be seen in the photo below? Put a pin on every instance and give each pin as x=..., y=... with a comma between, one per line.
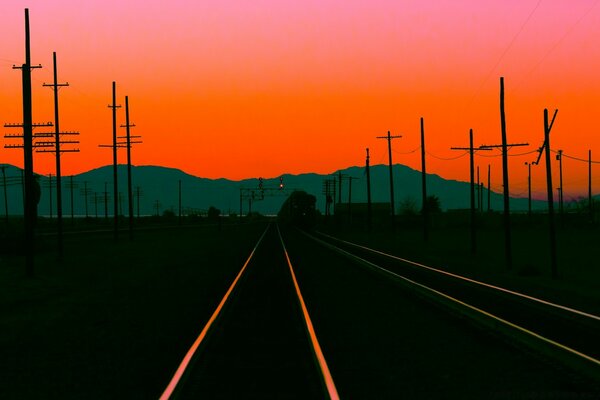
x=326, y=374
x=498, y=288
x=551, y=342
x=188, y=357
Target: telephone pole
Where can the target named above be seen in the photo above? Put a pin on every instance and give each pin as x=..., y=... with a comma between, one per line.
x=3, y=167
x=560, y=190
x=471, y=151
x=389, y=139
x=114, y=147
x=30, y=186
x=590, y=200
x=528, y=188
x=179, y=202
x=489, y=193
x=368, y=192
x=128, y=144
x=57, y=150
x=425, y=208
x=504, y=146
x=551, y=223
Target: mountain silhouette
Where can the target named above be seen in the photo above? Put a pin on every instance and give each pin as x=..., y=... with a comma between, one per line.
x=161, y=184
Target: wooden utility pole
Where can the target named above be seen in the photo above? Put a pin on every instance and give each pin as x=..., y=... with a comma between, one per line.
x=30, y=186
x=472, y=187
x=551, y=223
x=478, y=192
x=528, y=188
x=507, y=238
x=105, y=200
x=590, y=200
x=489, y=193
x=389, y=138
x=114, y=107
x=57, y=151
x=424, y=207
x=3, y=167
x=368, y=170
x=180, y=202
x=560, y=189
x=127, y=145
x=504, y=146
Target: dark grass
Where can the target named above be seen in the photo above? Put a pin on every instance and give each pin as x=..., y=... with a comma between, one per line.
x=112, y=320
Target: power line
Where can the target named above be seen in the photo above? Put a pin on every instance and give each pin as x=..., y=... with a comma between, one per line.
x=449, y=158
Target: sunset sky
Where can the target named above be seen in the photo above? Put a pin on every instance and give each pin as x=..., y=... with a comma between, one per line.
x=242, y=89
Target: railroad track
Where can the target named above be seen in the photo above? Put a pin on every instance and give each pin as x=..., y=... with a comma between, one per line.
x=259, y=342
x=384, y=328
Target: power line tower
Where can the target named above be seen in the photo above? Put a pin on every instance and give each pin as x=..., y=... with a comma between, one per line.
x=56, y=148
x=31, y=190
x=389, y=139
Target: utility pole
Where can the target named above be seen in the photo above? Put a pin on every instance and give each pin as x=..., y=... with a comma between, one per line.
x=478, y=192
x=489, y=189
x=57, y=150
x=71, y=185
x=350, y=179
x=528, y=188
x=114, y=145
x=180, y=202
x=551, y=223
x=85, y=191
x=3, y=167
x=590, y=200
x=389, y=138
x=505, y=146
x=96, y=203
x=138, y=191
x=105, y=200
x=560, y=190
x=50, y=193
x=128, y=144
x=472, y=186
x=29, y=187
x=425, y=207
x=368, y=192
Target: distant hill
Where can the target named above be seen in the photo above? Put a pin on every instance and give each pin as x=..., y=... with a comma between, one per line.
x=161, y=184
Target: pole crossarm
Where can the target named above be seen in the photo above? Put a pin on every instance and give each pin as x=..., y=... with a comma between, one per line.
x=541, y=149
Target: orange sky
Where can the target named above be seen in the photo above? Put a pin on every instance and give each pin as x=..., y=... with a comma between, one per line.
x=242, y=89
